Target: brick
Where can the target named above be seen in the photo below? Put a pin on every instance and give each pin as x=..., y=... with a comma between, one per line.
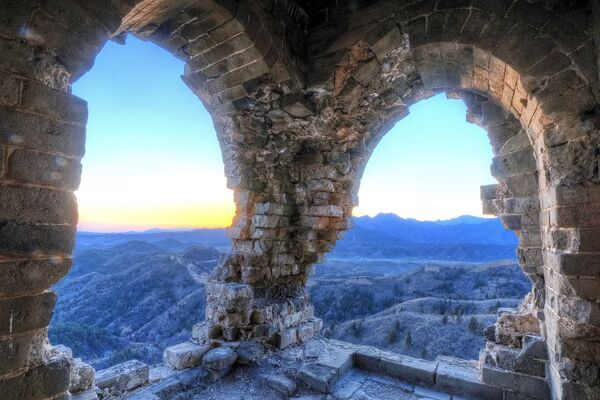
x=125, y=376
x=75, y=48
x=489, y=192
x=10, y=89
x=318, y=377
x=31, y=276
x=184, y=355
x=411, y=370
x=41, y=382
x=523, y=185
x=20, y=314
x=367, y=359
x=238, y=76
x=517, y=162
x=41, y=133
x=227, y=48
x=43, y=168
x=325, y=211
x=37, y=240
x=19, y=351
x=366, y=73
x=203, y=25
x=514, y=381
x=462, y=377
x=297, y=106
x=285, y=338
x=23, y=205
x=226, y=31
x=53, y=103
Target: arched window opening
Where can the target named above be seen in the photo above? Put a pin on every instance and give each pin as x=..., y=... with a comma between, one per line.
x=153, y=205
x=422, y=271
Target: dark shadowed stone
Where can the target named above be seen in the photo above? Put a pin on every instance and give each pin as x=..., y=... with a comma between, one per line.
x=248, y=352
x=19, y=314
x=121, y=377
x=280, y=383
x=219, y=359
x=31, y=276
x=297, y=106
x=45, y=381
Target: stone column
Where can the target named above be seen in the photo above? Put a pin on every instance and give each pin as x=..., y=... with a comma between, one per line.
x=44, y=47
x=42, y=131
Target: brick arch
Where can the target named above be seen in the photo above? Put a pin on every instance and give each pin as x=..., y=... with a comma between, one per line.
x=229, y=48
x=544, y=79
x=295, y=126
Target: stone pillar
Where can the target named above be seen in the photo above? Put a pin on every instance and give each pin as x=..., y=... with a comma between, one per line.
x=286, y=211
x=570, y=224
x=572, y=269
x=42, y=130
x=44, y=46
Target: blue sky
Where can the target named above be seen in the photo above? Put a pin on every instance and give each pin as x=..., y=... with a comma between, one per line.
x=153, y=160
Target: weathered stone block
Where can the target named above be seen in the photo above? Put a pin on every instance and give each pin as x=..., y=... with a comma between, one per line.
x=22, y=205
x=489, y=192
x=518, y=162
x=412, y=370
x=515, y=381
x=53, y=103
x=170, y=388
x=184, y=355
x=341, y=360
x=41, y=133
x=524, y=185
x=45, y=169
x=41, y=382
x=317, y=324
x=280, y=383
x=248, y=352
x=31, y=276
x=297, y=105
x=82, y=376
x=325, y=211
x=266, y=221
x=20, y=314
x=534, y=347
x=531, y=366
x=219, y=361
x=462, y=377
x=285, y=338
x=92, y=395
x=10, y=89
x=38, y=240
x=384, y=38
x=121, y=377
x=365, y=74
x=367, y=359
x=19, y=351
x=318, y=377
x=305, y=332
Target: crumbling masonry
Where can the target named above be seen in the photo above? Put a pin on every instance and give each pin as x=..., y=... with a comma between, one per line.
x=300, y=94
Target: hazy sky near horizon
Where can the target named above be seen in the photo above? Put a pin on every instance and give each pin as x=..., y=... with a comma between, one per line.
x=152, y=157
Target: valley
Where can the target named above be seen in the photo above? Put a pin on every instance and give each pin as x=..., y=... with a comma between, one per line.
x=416, y=288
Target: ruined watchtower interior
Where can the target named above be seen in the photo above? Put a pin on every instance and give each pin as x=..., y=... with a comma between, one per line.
x=300, y=93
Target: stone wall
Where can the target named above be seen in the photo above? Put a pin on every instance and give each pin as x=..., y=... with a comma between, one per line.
x=300, y=94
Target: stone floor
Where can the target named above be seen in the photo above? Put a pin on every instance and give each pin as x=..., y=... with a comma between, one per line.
x=356, y=384
x=317, y=370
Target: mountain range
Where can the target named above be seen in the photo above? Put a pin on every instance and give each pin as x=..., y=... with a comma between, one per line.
x=465, y=238
x=129, y=295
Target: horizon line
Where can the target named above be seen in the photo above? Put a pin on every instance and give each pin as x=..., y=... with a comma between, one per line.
x=159, y=229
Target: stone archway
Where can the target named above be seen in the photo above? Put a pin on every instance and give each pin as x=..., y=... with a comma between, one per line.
x=229, y=47
x=360, y=80
x=300, y=93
